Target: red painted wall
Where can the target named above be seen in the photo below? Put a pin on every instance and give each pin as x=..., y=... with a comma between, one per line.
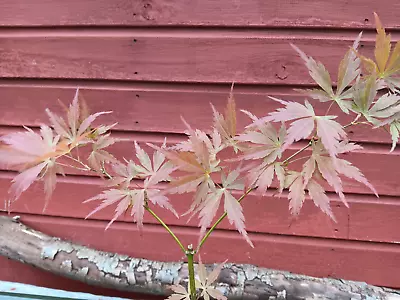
x=152, y=61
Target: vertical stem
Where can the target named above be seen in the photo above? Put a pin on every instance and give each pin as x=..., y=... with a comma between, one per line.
x=192, y=283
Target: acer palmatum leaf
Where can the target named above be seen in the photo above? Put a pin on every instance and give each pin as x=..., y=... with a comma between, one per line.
x=386, y=64
x=263, y=141
x=180, y=293
x=156, y=170
x=326, y=167
x=131, y=199
x=98, y=156
x=349, y=70
x=330, y=169
x=317, y=71
x=262, y=176
x=395, y=133
x=346, y=146
x=296, y=194
x=232, y=207
x=124, y=174
x=198, y=163
x=297, y=185
x=76, y=129
x=330, y=132
x=126, y=199
x=226, y=124
x=321, y=200
x=205, y=282
x=380, y=112
x=346, y=168
x=35, y=154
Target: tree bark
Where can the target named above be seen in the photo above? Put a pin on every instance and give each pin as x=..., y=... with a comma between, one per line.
x=122, y=272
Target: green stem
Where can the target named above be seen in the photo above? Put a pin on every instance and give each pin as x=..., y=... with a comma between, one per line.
x=166, y=227
x=192, y=283
x=220, y=220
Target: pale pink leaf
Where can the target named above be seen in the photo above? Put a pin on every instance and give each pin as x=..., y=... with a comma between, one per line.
x=235, y=215
x=330, y=132
x=299, y=129
x=319, y=197
x=317, y=71
x=89, y=120
x=280, y=174
x=329, y=173
x=296, y=195
x=23, y=181
x=347, y=169
x=143, y=157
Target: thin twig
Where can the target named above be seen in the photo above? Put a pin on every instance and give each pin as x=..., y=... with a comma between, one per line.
x=166, y=227
x=354, y=122
x=286, y=161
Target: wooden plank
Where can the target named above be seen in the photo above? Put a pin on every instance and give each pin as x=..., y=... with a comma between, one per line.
x=368, y=218
x=303, y=13
x=243, y=58
x=147, y=110
x=268, y=214
x=375, y=263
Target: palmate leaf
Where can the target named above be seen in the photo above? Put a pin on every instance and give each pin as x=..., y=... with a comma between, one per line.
x=198, y=162
x=75, y=130
x=364, y=103
x=387, y=63
x=225, y=124
x=395, y=133
x=330, y=170
x=262, y=176
x=297, y=194
x=98, y=156
x=205, y=282
x=329, y=131
x=36, y=154
x=232, y=207
x=263, y=141
x=349, y=70
x=135, y=199
x=180, y=293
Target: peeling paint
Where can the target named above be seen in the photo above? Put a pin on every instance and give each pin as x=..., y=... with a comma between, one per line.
x=50, y=250
x=83, y=271
x=67, y=265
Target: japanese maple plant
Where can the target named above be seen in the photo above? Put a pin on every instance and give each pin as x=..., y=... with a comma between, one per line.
x=214, y=166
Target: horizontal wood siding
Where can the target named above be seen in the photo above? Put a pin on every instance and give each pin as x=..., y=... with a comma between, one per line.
x=151, y=61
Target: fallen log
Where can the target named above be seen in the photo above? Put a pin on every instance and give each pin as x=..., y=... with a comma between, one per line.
x=121, y=272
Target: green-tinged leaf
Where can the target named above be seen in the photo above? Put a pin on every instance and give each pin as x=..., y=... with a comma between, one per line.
x=395, y=133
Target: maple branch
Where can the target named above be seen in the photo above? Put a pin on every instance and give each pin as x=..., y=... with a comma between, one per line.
x=220, y=220
x=286, y=161
x=146, y=207
x=104, y=171
x=79, y=162
x=73, y=167
x=354, y=122
x=300, y=158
